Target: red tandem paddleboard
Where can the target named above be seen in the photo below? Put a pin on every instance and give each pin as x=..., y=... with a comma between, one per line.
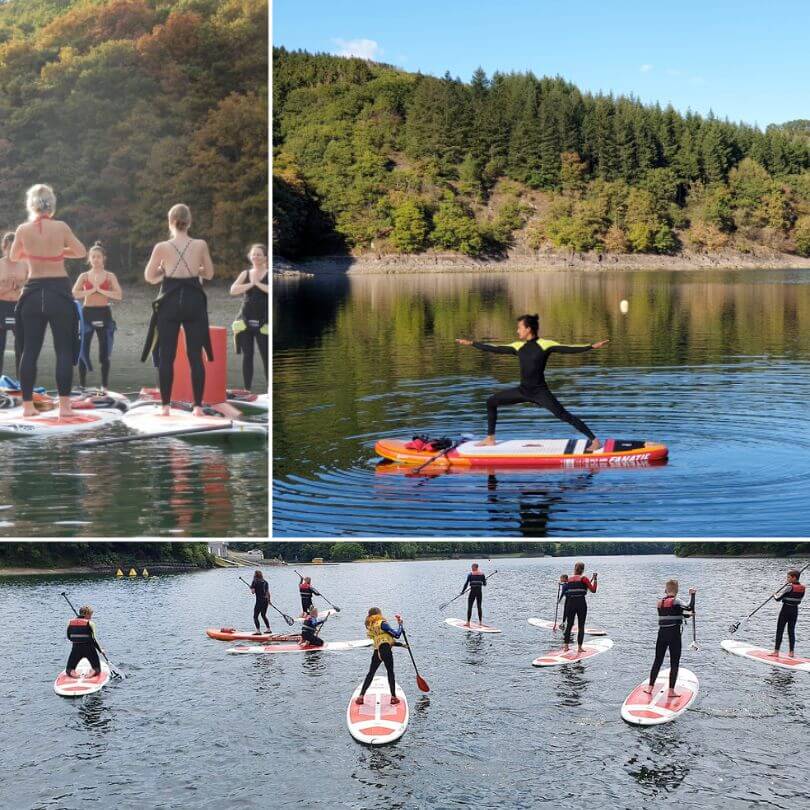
x=322, y=614
x=329, y=646
x=377, y=722
x=765, y=656
x=229, y=634
x=641, y=709
x=545, y=624
x=558, y=657
x=48, y=423
x=472, y=627
x=145, y=418
x=84, y=684
x=531, y=453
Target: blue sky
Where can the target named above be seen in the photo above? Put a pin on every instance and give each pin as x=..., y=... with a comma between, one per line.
x=748, y=61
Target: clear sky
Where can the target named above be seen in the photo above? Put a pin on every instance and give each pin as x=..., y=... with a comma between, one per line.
x=748, y=61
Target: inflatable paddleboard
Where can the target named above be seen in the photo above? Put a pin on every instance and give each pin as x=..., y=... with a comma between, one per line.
x=765, y=656
x=84, y=684
x=545, y=624
x=229, y=634
x=147, y=419
x=589, y=650
x=247, y=402
x=48, y=423
x=531, y=453
x=377, y=722
x=472, y=627
x=641, y=709
x=322, y=614
x=328, y=646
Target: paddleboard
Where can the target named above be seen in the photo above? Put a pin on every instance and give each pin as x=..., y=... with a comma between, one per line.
x=148, y=420
x=247, y=402
x=322, y=614
x=84, y=684
x=329, y=646
x=473, y=627
x=531, y=453
x=545, y=624
x=377, y=722
x=48, y=423
x=558, y=657
x=765, y=656
x=641, y=709
x=229, y=634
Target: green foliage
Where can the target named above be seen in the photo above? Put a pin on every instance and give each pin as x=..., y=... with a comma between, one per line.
x=717, y=209
x=345, y=552
x=802, y=236
x=410, y=233
x=455, y=228
x=59, y=555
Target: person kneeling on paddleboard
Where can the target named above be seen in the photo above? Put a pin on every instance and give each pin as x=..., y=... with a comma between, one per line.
x=311, y=628
x=384, y=637
x=573, y=589
x=671, y=613
x=790, y=596
x=82, y=632
x=476, y=580
x=261, y=588
x=533, y=353
x=306, y=592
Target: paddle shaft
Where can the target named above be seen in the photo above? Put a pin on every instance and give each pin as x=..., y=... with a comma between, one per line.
x=145, y=438
x=76, y=613
x=289, y=619
x=444, y=452
x=321, y=595
x=420, y=681
x=557, y=606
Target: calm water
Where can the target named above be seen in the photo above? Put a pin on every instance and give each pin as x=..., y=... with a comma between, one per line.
x=167, y=487
x=715, y=364
x=193, y=727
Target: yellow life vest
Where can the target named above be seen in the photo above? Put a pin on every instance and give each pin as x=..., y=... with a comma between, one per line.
x=375, y=632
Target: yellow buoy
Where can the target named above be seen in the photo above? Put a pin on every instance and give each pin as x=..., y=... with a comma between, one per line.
x=133, y=572
x=317, y=560
x=144, y=573
x=119, y=573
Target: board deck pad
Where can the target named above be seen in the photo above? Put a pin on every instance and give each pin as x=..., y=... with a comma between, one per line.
x=85, y=684
x=745, y=650
x=473, y=627
x=560, y=657
x=49, y=423
x=641, y=709
x=545, y=624
x=292, y=647
x=377, y=722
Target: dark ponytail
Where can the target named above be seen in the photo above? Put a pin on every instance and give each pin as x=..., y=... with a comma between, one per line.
x=531, y=322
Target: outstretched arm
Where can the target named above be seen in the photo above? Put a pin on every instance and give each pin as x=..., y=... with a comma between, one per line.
x=487, y=347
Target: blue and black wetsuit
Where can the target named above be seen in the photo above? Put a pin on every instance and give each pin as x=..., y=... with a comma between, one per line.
x=475, y=582
x=671, y=614
x=308, y=631
x=533, y=356
x=790, y=598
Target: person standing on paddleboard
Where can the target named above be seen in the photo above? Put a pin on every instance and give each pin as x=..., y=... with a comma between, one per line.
x=251, y=322
x=12, y=279
x=533, y=353
x=260, y=587
x=45, y=300
x=181, y=302
x=790, y=596
x=310, y=628
x=671, y=613
x=82, y=632
x=573, y=589
x=476, y=581
x=306, y=592
x=385, y=639
x=95, y=288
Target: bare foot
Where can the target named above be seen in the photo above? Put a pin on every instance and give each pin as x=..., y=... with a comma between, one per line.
x=65, y=411
x=791, y=654
x=775, y=654
x=565, y=648
x=466, y=624
x=165, y=410
x=29, y=409
x=488, y=442
x=671, y=693
x=648, y=689
x=580, y=650
x=594, y=445
x=197, y=411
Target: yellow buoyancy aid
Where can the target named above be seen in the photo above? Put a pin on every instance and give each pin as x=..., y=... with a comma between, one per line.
x=375, y=632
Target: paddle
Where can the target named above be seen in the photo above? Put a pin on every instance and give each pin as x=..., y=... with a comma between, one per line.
x=442, y=607
x=420, y=681
x=289, y=619
x=322, y=596
x=694, y=644
x=147, y=437
x=115, y=672
x=736, y=626
x=464, y=438
x=557, y=607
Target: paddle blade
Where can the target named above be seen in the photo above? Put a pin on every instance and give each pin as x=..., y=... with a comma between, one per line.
x=734, y=627
x=289, y=619
x=422, y=684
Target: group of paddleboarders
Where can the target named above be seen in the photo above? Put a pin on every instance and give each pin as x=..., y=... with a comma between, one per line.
x=35, y=294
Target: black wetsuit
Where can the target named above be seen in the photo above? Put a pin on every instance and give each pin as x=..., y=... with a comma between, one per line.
x=309, y=631
x=98, y=321
x=476, y=583
x=383, y=654
x=8, y=323
x=576, y=605
x=789, y=614
x=80, y=632
x=671, y=613
x=533, y=356
x=261, y=589
x=254, y=314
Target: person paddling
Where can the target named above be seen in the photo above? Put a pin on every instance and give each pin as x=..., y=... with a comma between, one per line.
x=261, y=588
x=476, y=581
x=671, y=613
x=251, y=322
x=306, y=592
x=82, y=632
x=790, y=596
x=533, y=353
x=12, y=280
x=311, y=627
x=384, y=637
x=574, y=589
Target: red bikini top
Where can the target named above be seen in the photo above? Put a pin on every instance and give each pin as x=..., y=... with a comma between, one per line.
x=105, y=285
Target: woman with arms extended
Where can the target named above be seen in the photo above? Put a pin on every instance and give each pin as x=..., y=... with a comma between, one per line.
x=46, y=300
x=533, y=353
x=12, y=279
x=95, y=288
x=251, y=322
x=179, y=265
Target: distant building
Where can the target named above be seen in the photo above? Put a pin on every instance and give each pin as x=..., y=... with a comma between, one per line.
x=218, y=548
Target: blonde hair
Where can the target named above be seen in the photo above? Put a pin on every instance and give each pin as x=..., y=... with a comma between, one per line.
x=372, y=612
x=7, y=239
x=85, y=611
x=179, y=217
x=672, y=585
x=40, y=199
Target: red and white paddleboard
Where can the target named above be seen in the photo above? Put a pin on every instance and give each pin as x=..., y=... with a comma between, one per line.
x=288, y=647
x=377, y=722
x=472, y=627
x=13, y=423
x=84, y=684
x=764, y=656
x=641, y=709
x=545, y=624
x=558, y=657
x=229, y=634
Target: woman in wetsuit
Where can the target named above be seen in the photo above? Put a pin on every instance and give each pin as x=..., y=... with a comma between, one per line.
x=179, y=265
x=671, y=614
x=45, y=300
x=251, y=322
x=476, y=582
x=12, y=279
x=260, y=588
x=384, y=637
x=95, y=288
x=790, y=595
x=574, y=589
x=311, y=627
x=533, y=353
x=82, y=633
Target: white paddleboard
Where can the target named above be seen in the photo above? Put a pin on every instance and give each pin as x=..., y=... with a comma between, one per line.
x=558, y=657
x=377, y=722
x=292, y=647
x=641, y=709
x=148, y=420
x=249, y=403
x=472, y=627
x=545, y=624
x=322, y=614
x=84, y=684
x=48, y=423
x=765, y=656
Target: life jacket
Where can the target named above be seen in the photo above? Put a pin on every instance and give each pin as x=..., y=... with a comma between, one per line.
x=80, y=631
x=794, y=595
x=576, y=587
x=305, y=591
x=670, y=612
x=477, y=580
x=375, y=632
